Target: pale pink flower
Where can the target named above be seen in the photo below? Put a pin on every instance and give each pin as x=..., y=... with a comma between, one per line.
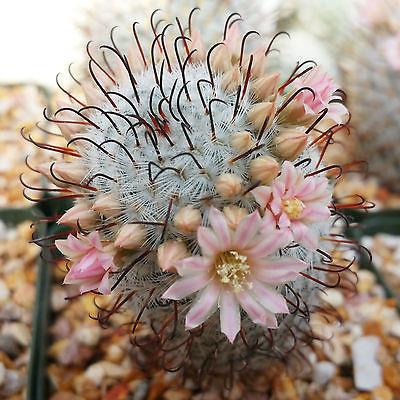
x=295, y=202
x=236, y=270
x=91, y=263
x=324, y=88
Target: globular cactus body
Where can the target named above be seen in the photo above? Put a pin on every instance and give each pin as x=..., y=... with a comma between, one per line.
x=200, y=196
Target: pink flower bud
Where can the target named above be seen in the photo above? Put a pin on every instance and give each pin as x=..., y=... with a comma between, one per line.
x=187, y=219
x=260, y=113
x=221, y=59
x=79, y=213
x=290, y=143
x=242, y=141
x=234, y=215
x=232, y=79
x=69, y=171
x=264, y=169
x=107, y=206
x=228, y=185
x=264, y=87
x=131, y=236
x=169, y=253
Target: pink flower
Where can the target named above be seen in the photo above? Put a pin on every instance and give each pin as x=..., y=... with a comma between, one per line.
x=235, y=271
x=91, y=264
x=295, y=202
x=324, y=88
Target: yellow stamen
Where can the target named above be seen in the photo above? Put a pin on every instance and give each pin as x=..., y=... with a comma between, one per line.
x=232, y=268
x=293, y=208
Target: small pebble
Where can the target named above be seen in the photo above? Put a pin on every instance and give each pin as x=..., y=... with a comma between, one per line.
x=382, y=393
x=177, y=394
x=13, y=383
x=141, y=391
x=19, y=331
x=323, y=372
x=57, y=299
x=88, y=335
x=367, y=371
x=9, y=345
x=104, y=369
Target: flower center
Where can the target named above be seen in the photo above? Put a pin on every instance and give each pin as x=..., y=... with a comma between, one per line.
x=232, y=268
x=293, y=208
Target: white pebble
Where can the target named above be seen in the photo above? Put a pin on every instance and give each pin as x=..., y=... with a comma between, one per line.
x=104, y=369
x=323, y=372
x=367, y=371
x=88, y=335
x=18, y=331
x=395, y=329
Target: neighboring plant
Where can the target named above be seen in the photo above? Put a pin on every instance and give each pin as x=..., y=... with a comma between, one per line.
x=372, y=79
x=200, y=196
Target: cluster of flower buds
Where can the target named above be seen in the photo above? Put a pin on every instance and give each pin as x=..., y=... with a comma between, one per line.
x=199, y=189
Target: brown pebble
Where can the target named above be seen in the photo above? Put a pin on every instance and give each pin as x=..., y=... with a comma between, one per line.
x=177, y=394
x=373, y=328
x=85, y=387
x=284, y=388
x=118, y=392
x=65, y=396
x=382, y=393
x=391, y=376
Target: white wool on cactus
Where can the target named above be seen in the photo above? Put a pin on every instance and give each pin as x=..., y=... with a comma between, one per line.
x=198, y=172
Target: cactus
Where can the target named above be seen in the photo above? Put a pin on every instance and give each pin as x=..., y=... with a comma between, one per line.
x=200, y=197
x=371, y=74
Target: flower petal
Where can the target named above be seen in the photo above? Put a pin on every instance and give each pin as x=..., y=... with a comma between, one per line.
x=316, y=213
x=94, y=240
x=229, y=315
x=289, y=174
x=253, y=309
x=303, y=235
x=268, y=220
x=271, y=321
x=184, y=287
x=262, y=194
x=270, y=242
x=269, y=298
x=203, y=306
x=72, y=247
x=246, y=230
x=278, y=271
x=104, y=285
x=220, y=227
x=208, y=241
x=88, y=286
x=193, y=266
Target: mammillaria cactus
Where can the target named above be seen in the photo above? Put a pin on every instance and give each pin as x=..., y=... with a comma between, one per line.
x=372, y=73
x=200, y=196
